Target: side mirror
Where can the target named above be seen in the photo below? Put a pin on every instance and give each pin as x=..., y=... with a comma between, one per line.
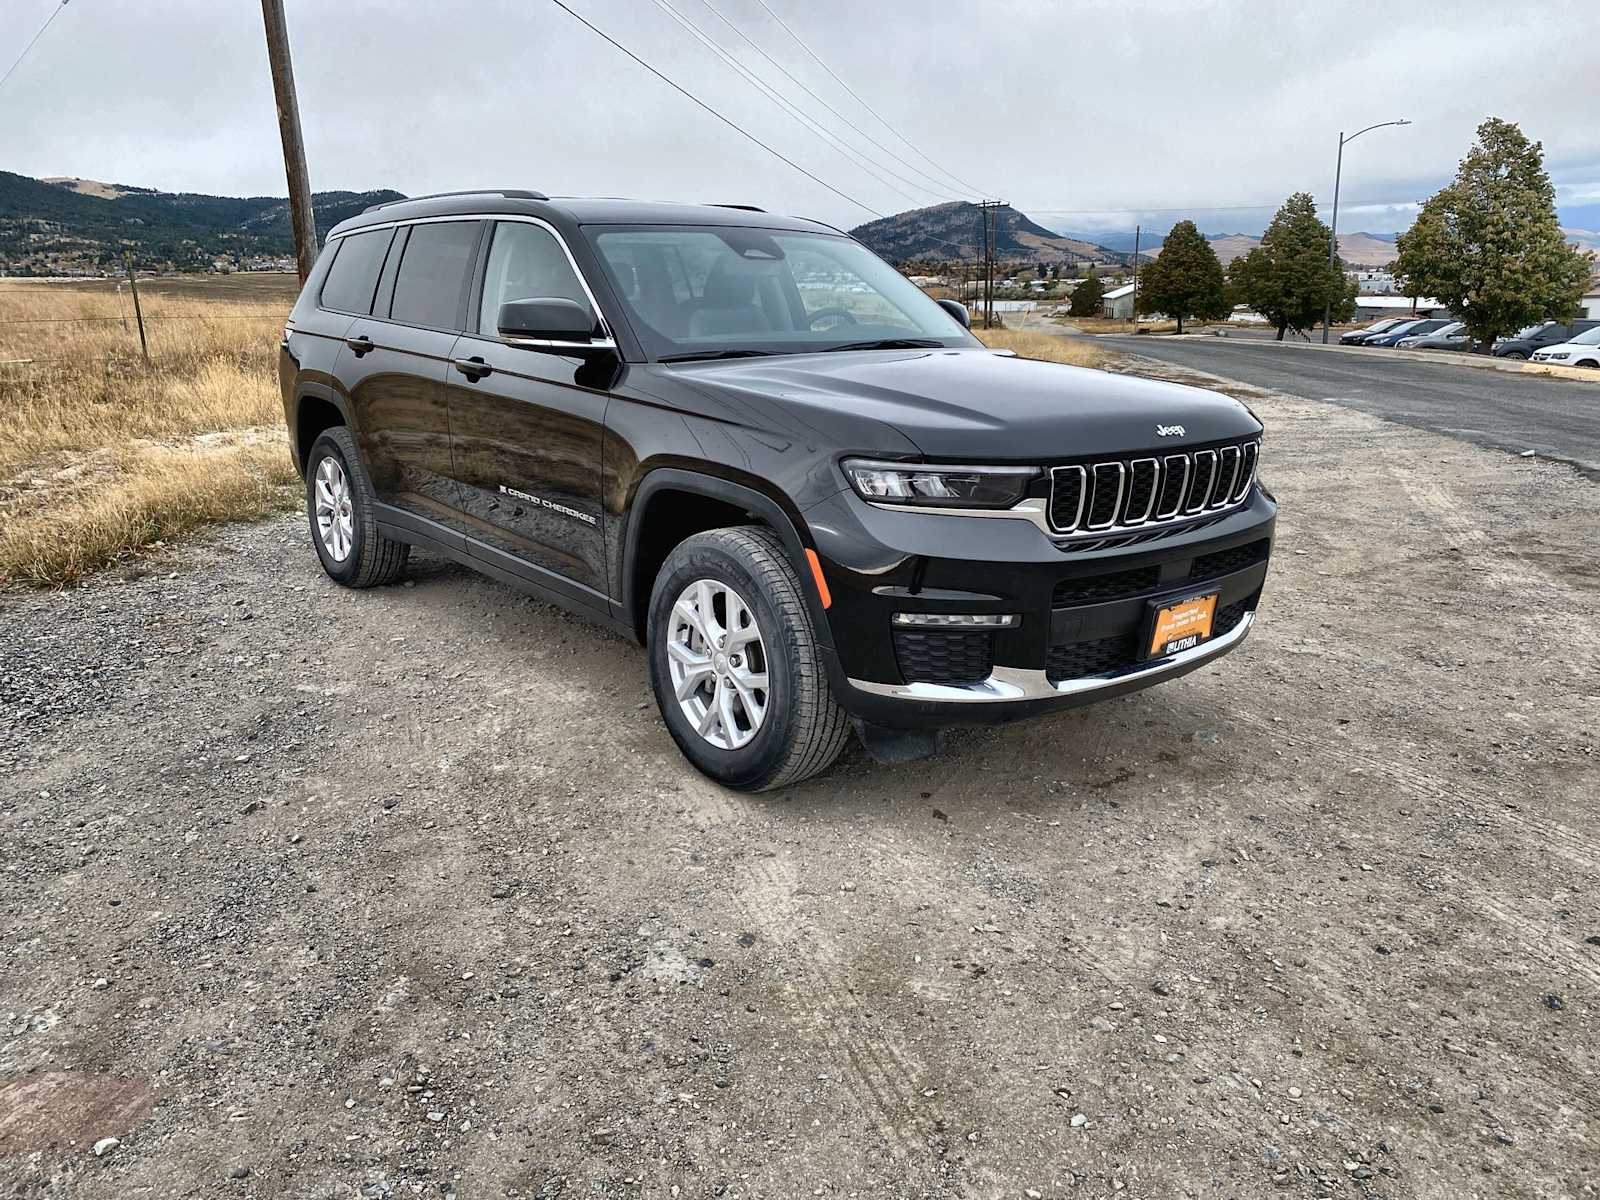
x=546, y=319
x=957, y=310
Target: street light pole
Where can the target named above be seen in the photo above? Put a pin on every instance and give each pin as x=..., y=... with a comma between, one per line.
x=1333, y=234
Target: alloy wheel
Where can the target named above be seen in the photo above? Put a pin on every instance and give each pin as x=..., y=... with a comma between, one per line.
x=335, y=516
x=717, y=660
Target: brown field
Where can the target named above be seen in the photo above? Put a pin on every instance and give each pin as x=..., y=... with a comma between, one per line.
x=102, y=455
x=1072, y=351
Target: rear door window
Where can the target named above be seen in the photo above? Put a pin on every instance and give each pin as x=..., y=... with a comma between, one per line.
x=354, y=274
x=431, y=285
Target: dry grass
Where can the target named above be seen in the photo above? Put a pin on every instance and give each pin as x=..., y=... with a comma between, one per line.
x=101, y=455
x=1073, y=351
x=1109, y=325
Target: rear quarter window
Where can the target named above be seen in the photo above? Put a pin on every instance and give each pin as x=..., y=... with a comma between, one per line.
x=354, y=274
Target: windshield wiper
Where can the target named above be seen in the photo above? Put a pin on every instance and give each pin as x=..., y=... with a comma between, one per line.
x=707, y=355
x=891, y=344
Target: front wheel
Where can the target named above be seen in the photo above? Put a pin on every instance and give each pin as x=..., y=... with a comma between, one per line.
x=1516, y=354
x=735, y=664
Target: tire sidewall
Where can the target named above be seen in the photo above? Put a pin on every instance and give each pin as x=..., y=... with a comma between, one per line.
x=753, y=763
x=328, y=446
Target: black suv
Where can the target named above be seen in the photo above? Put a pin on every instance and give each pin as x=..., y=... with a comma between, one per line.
x=757, y=448
x=1524, y=342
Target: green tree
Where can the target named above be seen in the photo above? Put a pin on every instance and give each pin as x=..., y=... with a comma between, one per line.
x=1185, y=280
x=1087, y=296
x=1287, y=279
x=1488, y=245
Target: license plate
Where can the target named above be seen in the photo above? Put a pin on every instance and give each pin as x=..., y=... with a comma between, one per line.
x=1181, y=625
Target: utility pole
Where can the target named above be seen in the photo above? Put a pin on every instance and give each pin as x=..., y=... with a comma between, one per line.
x=294, y=150
x=1134, y=308
x=988, y=223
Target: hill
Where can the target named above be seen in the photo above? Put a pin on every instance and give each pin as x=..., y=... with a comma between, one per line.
x=1356, y=249
x=955, y=231
x=50, y=227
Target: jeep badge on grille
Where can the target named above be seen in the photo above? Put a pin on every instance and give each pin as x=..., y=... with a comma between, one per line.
x=1169, y=431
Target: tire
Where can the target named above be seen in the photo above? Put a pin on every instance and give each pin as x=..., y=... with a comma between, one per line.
x=1516, y=354
x=369, y=559
x=801, y=728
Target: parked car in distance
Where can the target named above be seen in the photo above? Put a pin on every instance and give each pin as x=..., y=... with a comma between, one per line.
x=1525, y=342
x=1409, y=329
x=814, y=508
x=1356, y=337
x=1453, y=336
x=1582, y=351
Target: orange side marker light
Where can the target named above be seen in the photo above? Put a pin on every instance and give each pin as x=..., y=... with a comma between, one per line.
x=816, y=573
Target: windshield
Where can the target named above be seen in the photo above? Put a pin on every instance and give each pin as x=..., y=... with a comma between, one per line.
x=1589, y=337
x=1527, y=331
x=713, y=290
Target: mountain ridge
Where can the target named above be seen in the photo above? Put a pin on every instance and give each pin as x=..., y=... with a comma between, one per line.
x=943, y=232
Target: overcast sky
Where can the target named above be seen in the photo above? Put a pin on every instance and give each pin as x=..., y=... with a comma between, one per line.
x=1131, y=109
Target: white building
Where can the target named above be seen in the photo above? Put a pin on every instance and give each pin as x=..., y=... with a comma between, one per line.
x=1368, y=307
x=1118, y=303
x=1590, y=304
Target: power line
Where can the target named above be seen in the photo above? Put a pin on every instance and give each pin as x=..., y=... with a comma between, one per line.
x=561, y=4
x=54, y=13
x=812, y=126
x=943, y=188
x=971, y=190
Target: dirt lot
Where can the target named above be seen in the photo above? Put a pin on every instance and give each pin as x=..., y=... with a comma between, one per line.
x=308, y=893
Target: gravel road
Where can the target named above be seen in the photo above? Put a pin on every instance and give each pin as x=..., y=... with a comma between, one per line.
x=310, y=893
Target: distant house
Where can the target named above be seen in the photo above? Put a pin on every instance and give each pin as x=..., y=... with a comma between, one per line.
x=1368, y=307
x=1591, y=298
x=1118, y=303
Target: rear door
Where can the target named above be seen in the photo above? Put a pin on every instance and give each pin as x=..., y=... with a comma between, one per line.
x=527, y=423
x=393, y=368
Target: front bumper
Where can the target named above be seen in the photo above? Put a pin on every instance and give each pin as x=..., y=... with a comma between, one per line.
x=1082, y=615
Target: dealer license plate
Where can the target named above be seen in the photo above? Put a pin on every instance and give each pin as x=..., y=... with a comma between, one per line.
x=1181, y=626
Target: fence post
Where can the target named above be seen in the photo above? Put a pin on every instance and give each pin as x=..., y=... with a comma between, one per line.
x=138, y=313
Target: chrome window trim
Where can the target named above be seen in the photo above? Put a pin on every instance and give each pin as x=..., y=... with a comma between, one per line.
x=1083, y=496
x=1155, y=491
x=608, y=342
x=1010, y=684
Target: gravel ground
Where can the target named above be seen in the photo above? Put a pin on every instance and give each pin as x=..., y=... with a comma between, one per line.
x=309, y=893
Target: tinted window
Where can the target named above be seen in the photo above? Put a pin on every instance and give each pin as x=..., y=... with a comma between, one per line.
x=526, y=263
x=354, y=273
x=433, y=274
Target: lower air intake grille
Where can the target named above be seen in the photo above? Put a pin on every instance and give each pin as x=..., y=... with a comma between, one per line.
x=1225, y=562
x=1120, y=654
x=943, y=656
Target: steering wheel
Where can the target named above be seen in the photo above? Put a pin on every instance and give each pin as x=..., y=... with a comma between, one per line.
x=841, y=316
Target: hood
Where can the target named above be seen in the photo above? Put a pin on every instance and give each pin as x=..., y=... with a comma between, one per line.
x=979, y=406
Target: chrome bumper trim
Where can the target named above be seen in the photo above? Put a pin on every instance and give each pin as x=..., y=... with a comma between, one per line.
x=1008, y=684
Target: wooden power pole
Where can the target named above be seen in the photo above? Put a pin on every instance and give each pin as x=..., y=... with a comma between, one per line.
x=987, y=221
x=294, y=149
x=1134, y=309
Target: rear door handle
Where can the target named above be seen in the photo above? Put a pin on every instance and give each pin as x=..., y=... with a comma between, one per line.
x=473, y=368
x=359, y=344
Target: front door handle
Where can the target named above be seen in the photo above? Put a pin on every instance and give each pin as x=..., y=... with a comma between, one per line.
x=473, y=368
x=359, y=344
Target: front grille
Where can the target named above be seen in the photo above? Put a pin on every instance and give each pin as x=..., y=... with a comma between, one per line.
x=1131, y=493
x=1120, y=654
x=943, y=656
x=1112, y=586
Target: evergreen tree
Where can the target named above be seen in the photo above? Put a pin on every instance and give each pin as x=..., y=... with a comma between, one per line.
x=1185, y=280
x=1087, y=296
x=1287, y=279
x=1489, y=246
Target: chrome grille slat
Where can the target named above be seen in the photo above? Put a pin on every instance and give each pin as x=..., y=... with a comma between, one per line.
x=1116, y=496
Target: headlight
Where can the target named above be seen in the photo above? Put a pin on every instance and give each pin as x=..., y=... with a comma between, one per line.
x=938, y=486
x=1557, y=356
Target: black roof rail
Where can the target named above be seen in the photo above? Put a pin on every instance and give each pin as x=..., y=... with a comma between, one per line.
x=509, y=193
x=741, y=207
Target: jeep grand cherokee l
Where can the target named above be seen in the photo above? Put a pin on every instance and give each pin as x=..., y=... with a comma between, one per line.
x=754, y=446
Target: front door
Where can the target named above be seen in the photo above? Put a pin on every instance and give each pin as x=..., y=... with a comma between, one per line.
x=526, y=426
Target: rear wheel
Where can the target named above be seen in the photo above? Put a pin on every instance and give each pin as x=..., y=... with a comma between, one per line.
x=735, y=664
x=1517, y=354
x=339, y=506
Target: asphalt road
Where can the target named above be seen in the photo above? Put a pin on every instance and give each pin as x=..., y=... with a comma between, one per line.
x=1497, y=409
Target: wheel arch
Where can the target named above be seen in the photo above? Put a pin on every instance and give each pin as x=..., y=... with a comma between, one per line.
x=654, y=526
x=316, y=408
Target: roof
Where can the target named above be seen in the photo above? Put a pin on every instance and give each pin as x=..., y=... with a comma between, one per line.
x=578, y=210
x=1118, y=293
